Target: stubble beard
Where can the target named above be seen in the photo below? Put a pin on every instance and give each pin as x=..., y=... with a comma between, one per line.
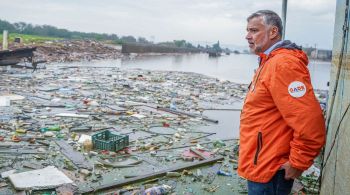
x=258, y=50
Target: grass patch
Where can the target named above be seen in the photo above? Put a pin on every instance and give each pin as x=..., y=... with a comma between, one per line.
x=30, y=38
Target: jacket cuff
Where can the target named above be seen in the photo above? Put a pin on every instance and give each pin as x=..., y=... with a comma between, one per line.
x=300, y=165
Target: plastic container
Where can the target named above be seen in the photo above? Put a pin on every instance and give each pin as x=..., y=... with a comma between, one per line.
x=108, y=140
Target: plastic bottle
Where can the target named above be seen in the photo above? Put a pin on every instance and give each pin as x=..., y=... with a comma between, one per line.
x=54, y=128
x=157, y=190
x=219, y=143
x=173, y=174
x=224, y=173
x=51, y=128
x=172, y=105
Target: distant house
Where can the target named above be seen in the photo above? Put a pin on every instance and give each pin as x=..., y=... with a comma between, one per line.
x=320, y=54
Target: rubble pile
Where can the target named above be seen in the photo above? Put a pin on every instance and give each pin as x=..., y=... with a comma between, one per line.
x=72, y=50
x=69, y=51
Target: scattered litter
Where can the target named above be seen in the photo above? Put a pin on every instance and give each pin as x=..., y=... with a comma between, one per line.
x=60, y=116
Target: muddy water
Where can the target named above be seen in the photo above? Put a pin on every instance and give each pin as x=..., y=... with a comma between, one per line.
x=236, y=68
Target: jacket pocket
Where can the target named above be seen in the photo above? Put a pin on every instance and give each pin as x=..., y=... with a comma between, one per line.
x=258, y=148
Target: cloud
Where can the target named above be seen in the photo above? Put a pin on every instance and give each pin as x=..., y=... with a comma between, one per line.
x=193, y=20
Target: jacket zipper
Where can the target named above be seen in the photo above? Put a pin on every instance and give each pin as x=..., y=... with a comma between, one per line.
x=256, y=79
x=258, y=149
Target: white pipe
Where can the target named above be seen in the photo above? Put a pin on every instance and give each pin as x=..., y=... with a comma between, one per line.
x=4, y=40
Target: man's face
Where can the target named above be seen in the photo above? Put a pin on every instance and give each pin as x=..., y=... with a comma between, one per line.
x=258, y=35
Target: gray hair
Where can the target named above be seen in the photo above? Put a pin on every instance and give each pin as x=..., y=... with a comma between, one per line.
x=270, y=18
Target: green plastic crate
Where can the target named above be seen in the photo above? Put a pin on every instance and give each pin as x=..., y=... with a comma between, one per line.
x=108, y=140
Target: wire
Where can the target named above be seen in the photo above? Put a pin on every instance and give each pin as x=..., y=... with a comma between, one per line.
x=343, y=48
x=336, y=136
x=332, y=146
x=324, y=163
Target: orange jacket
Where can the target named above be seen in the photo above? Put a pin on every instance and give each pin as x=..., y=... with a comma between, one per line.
x=281, y=118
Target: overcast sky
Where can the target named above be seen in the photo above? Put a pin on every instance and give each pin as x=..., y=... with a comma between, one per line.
x=309, y=22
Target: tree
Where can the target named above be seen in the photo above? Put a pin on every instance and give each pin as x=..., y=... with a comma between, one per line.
x=142, y=40
x=20, y=26
x=180, y=43
x=47, y=30
x=128, y=39
x=4, y=25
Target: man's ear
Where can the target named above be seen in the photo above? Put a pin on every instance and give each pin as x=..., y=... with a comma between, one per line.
x=274, y=32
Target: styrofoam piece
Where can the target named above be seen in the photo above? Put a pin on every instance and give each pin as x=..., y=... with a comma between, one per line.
x=73, y=115
x=14, y=97
x=46, y=178
x=4, y=101
x=83, y=138
x=6, y=174
x=139, y=116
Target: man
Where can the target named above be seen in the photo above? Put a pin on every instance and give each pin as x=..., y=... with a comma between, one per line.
x=282, y=127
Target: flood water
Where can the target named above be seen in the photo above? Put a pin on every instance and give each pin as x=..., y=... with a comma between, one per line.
x=235, y=68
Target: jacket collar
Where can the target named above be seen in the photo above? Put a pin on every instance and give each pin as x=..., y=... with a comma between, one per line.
x=262, y=58
x=277, y=44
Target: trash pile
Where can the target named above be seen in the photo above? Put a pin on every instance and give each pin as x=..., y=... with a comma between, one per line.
x=72, y=50
x=82, y=129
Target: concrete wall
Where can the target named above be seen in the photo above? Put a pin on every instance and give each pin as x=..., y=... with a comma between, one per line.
x=336, y=171
x=149, y=48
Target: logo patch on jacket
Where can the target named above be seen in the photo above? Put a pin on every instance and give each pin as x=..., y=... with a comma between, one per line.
x=297, y=89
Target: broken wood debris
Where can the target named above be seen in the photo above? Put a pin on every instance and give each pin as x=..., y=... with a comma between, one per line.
x=76, y=157
x=151, y=175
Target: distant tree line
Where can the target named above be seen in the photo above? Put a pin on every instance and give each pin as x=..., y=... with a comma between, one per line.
x=51, y=31
x=178, y=43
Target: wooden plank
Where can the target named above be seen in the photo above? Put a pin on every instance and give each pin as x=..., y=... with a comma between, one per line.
x=76, y=157
x=198, y=153
x=150, y=176
x=177, y=112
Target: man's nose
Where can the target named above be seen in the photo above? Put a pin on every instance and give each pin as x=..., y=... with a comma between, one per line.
x=248, y=36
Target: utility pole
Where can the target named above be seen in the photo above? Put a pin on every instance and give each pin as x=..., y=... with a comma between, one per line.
x=284, y=17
